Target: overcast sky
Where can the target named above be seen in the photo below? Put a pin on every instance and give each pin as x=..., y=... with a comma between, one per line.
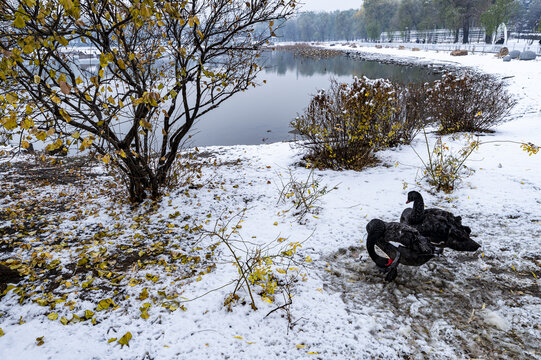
x=329, y=5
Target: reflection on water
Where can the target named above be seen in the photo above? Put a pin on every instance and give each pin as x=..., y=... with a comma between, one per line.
x=282, y=62
x=262, y=114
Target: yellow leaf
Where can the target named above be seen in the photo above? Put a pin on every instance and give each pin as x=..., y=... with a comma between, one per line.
x=144, y=314
x=2, y=333
x=11, y=98
x=144, y=294
x=125, y=340
x=145, y=124
x=78, y=81
x=55, y=99
x=28, y=48
x=27, y=123
x=25, y=144
x=7, y=289
x=145, y=11
x=300, y=346
x=67, y=4
x=11, y=122
x=111, y=340
x=238, y=337
x=87, y=283
x=76, y=135
x=39, y=341
x=37, y=79
x=41, y=136
x=52, y=316
x=106, y=159
x=121, y=64
x=88, y=314
x=104, y=304
x=153, y=98
x=87, y=142
x=65, y=115
x=19, y=21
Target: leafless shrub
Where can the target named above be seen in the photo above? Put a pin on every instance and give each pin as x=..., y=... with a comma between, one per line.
x=444, y=168
x=468, y=102
x=305, y=195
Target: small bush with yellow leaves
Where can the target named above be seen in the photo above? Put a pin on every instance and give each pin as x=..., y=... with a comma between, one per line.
x=343, y=127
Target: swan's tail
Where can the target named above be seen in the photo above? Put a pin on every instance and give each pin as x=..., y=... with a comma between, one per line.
x=460, y=240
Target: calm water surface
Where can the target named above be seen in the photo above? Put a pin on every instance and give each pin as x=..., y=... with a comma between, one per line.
x=262, y=114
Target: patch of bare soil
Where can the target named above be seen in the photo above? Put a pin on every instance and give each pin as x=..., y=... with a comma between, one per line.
x=67, y=230
x=25, y=185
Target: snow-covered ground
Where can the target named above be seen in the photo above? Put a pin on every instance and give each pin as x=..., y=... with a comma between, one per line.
x=459, y=306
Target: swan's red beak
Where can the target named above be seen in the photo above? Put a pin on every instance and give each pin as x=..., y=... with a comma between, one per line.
x=389, y=262
x=407, y=202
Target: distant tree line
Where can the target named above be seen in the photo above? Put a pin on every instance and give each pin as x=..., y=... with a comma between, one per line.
x=322, y=26
x=377, y=16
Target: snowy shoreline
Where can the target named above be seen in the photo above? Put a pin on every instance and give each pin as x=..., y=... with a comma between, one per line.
x=459, y=306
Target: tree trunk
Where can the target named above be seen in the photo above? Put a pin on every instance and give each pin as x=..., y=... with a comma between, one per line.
x=142, y=182
x=136, y=190
x=456, y=35
x=466, y=31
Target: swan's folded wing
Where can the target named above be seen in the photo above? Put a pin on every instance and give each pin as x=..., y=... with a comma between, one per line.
x=405, y=217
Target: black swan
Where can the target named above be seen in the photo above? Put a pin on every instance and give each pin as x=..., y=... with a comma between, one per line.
x=440, y=226
x=415, y=249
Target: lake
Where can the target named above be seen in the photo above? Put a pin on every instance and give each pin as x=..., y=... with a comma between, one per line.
x=262, y=114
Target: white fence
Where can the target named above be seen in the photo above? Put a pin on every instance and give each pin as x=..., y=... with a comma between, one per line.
x=443, y=40
x=472, y=48
x=432, y=36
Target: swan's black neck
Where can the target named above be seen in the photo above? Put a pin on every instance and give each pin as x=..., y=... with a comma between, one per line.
x=418, y=213
x=370, y=244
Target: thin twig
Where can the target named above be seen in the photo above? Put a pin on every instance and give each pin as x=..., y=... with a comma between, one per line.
x=278, y=308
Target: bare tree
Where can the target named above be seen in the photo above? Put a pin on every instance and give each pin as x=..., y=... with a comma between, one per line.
x=126, y=78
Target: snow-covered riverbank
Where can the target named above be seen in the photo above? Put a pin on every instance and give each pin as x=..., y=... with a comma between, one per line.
x=461, y=305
